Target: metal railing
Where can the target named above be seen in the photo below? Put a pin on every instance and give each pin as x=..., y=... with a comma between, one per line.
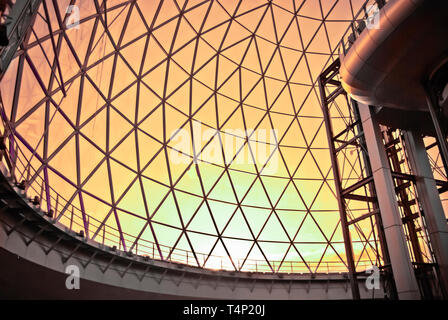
x=71, y=217
x=20, y=18
x=364, y=19
x=75, y=220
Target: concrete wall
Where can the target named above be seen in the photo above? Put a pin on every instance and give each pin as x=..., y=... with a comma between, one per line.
x=30, y=270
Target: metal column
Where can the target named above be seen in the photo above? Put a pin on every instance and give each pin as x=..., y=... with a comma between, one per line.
x=341, y=204
x=403, y=271
x=433, y=108
x=353, y=188
x=432, y=207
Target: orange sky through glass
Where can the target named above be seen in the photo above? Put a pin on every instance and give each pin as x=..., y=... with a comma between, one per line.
x=135, y=95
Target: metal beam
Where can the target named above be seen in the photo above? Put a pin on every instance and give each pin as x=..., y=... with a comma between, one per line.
x=22, y=16
x=433, y=107
x=344, y=221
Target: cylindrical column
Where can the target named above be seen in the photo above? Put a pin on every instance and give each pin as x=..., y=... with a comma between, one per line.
x=429, y=198
x=402, y=269
x=433, y=106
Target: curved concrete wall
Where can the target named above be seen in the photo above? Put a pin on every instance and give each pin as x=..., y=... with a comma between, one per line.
x=42, y=275
x=37, y=252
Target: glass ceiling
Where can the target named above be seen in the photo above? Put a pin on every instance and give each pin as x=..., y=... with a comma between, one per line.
x=188, y=131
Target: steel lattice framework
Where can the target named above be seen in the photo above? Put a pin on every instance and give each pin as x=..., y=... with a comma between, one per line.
x=96, y=112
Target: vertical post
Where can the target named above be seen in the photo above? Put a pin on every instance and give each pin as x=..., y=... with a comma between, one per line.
x=402, y=269
x=87, y=229
x=433, y=107
x=56, y=206
x=71, y=219
x=403, y=196
x=380, y=228
x=428, y=197
x=341, y=204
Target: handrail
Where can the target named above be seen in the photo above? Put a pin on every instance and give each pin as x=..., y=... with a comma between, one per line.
x=359, y=24
x=21, y=16
x=72, y=219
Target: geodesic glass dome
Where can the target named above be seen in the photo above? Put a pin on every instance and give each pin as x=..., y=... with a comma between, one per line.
x=183, y=130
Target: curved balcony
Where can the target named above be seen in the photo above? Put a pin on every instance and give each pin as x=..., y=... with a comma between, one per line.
x=386, y=64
